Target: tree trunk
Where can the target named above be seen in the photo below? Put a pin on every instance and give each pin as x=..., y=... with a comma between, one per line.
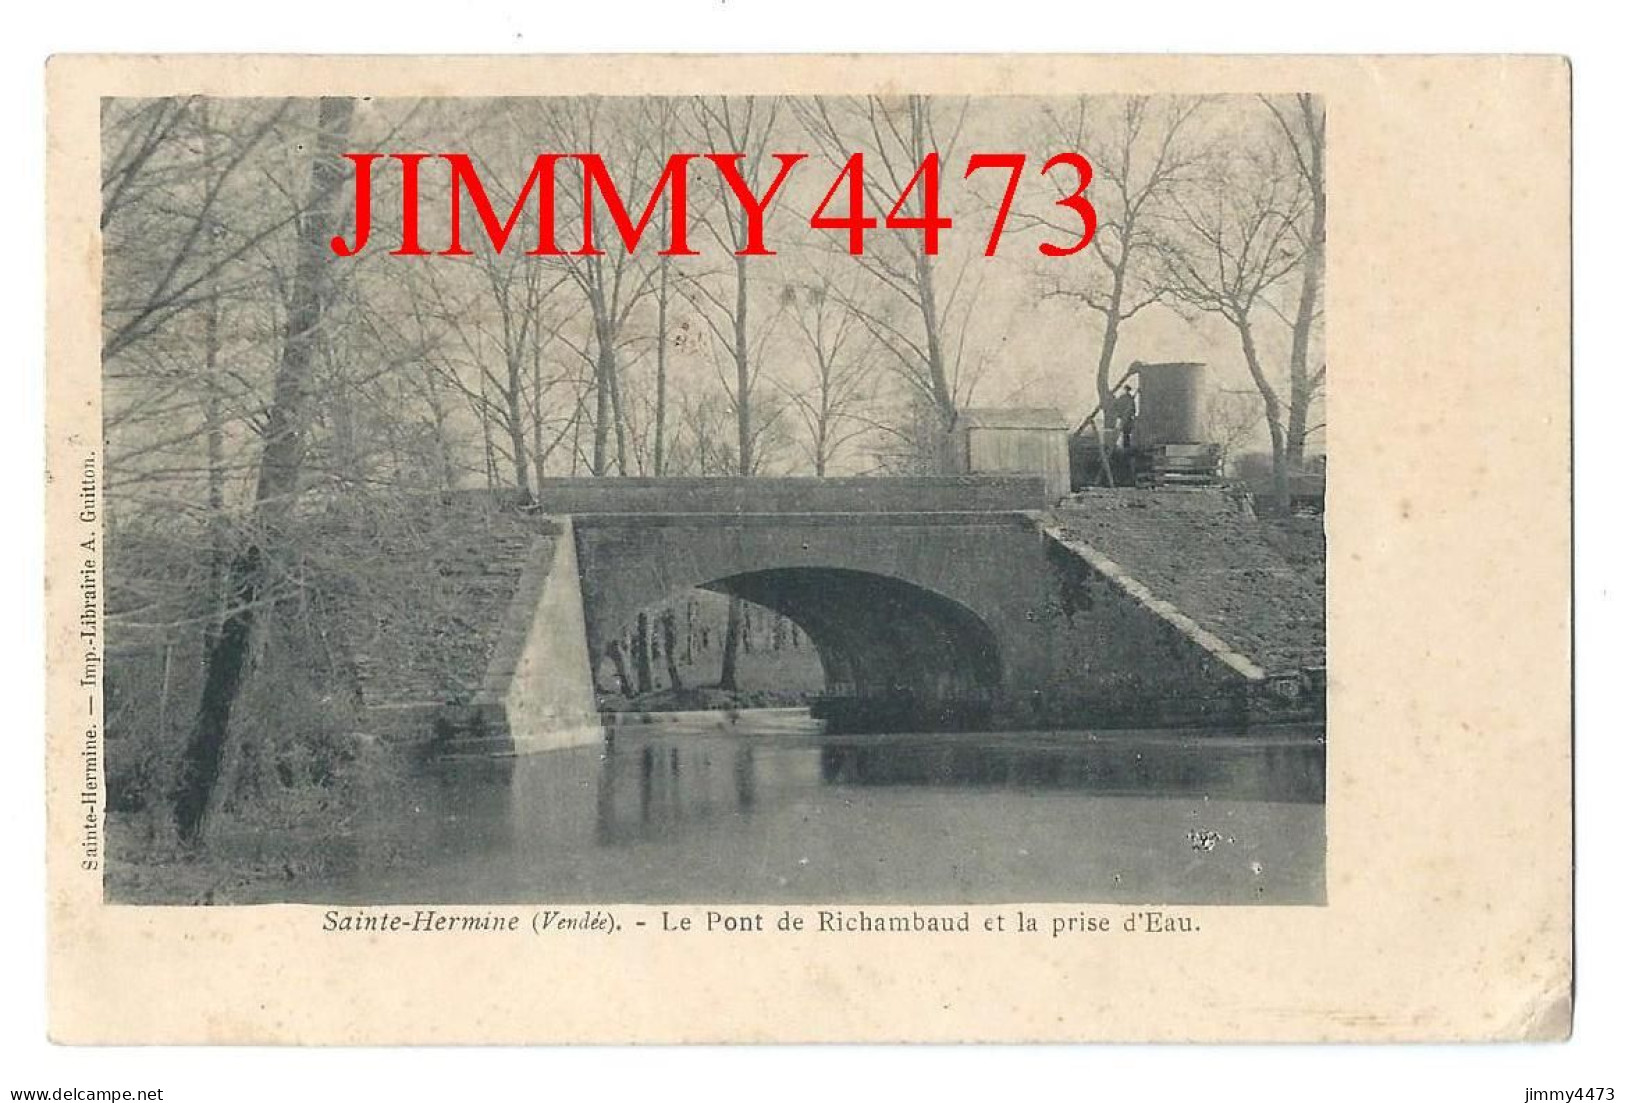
x=822, y=428
x=226, y=654
x=661, y=298
x=941, y=393
x=538, y=457
x=617, y=656
x=1303, y=385
x=514, y=396
x=214, y=412
x=485, y=439
x=742, y=396
x=1103, y=380
x=618, y=412
x=1282, y=468
x=730, y=646
x=1272, y=416
x=729, y=679
x=215, y=445
x=603, y=377
x=640, y=655
x=668, y=647
x=445, y=453
x=163, y=694
x=224, y=659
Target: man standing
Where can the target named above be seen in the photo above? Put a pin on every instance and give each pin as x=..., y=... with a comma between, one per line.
x=1124, y=410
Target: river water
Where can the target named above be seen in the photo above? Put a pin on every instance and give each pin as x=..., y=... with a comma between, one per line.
x=659, y=815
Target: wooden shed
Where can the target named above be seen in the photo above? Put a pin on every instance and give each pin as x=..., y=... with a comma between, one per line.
x=1015, y=440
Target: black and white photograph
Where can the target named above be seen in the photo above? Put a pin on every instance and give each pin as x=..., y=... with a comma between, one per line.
x=786, y=499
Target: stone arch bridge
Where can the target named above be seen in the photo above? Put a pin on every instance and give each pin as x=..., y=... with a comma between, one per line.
x=969, y=596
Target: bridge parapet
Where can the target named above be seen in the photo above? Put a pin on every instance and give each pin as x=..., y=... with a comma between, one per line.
x=741, y=495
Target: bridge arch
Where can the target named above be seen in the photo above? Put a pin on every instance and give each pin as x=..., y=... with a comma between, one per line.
x=875, y=634
x=932, y=605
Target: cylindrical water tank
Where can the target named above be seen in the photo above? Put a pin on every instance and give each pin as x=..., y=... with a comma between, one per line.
x=1173, y=400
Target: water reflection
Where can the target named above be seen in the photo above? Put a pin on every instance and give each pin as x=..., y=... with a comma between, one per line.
x=1168, y=817
x=644, y=793
x=1259, y=771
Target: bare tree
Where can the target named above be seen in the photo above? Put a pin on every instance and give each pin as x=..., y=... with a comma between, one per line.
x=1140, y=152
x=1237, y=241
x=841, y=354
x=668, y=646
x=155, y=153
x=1231, y=418
x=613, y=282
x=703, y=442
x=661, y=118
x=505, y=332
x=191, y=267
x=926, y=337
x=723, y=299
x=1302, y=124
x=280, y=463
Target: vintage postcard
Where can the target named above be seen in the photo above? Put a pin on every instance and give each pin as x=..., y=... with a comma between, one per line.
x=745, y=549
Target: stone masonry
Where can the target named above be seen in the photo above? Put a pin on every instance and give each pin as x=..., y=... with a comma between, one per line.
x=1116, y=607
